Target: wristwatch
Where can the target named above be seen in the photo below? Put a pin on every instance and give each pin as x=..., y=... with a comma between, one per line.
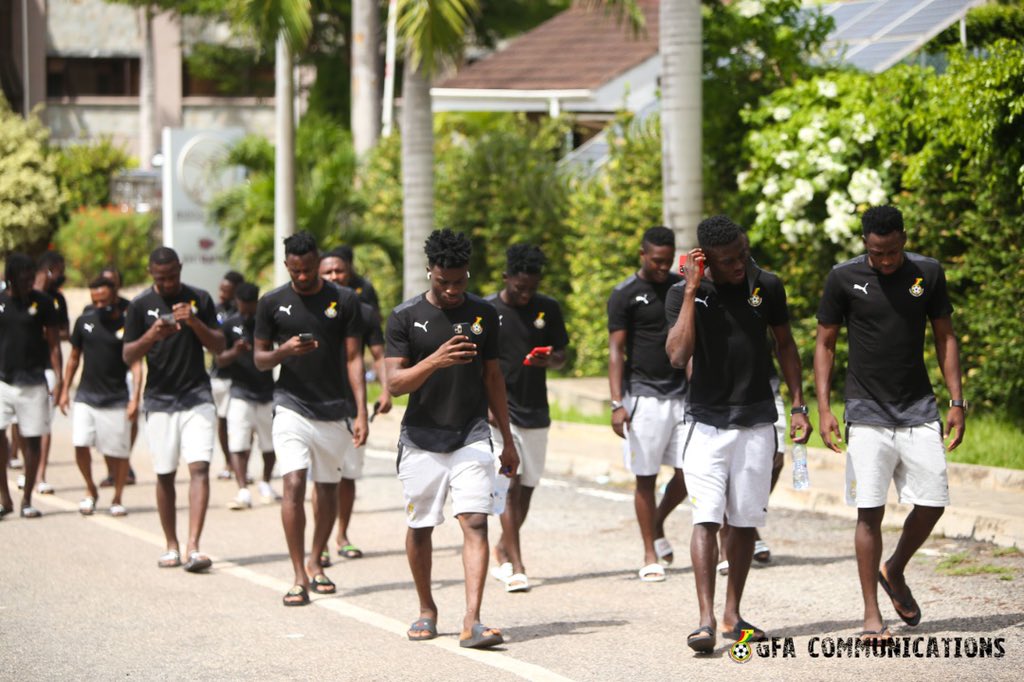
x=617, y=405
x=959, y=403
x=798, y=409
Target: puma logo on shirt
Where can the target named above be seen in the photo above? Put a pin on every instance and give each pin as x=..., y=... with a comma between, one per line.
x=155, y=312
x=643, y=298
x=862, y=287
x=2, y=307
x=702, y=301
x=88, y=327
x=421, y=325
x=286, y=309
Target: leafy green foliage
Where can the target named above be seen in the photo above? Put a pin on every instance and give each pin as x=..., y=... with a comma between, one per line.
x=230, y=68
x=986, y=24
x=85, y=170
x=95, y=237
x=434, y=30
x=30, y=196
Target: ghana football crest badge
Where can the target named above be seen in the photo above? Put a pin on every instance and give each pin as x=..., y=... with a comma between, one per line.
x=332, y=310
x=755, y=299
x=476, y=327
x=539, y=322
x=33, y=309
x=119, y=333
x=195, y=308
x=916, y=289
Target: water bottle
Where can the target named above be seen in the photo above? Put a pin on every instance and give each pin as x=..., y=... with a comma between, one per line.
x=801, y=481
x=501, y=483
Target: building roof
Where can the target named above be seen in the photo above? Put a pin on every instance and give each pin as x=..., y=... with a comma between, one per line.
x=577, y=49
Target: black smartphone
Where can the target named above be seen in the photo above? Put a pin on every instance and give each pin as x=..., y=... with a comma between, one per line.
x=305, y=337
x=460, y=329
x=168, y=317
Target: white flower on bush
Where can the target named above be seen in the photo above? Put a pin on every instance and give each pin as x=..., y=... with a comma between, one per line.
x=863, y=130
x=836, y=145
x=827, y=89
x=771, y=187
x=808, y=134
x=792, y=202
x=785, y=159
x=829, y=165
x=838, y=204
x=820, y=182
x=741, y=179
x=866, y=187
x=761, y=209
x=748, y=8
x=782, y=113
x=841, y=221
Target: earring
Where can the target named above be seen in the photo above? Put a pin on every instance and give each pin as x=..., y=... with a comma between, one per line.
x=428, y=275
x=468, y=275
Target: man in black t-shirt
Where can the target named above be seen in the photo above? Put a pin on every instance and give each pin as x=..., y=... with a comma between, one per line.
x=893, y=431
x=528, y=321
x=250, y=409
x=647, y=393
x=342, y=268
x=29, y=342
x=334, y=268
x=318, y=330
x=442, y=349
x=719, y=326
x=104, y=410
x=220, y=382
x=170, y=324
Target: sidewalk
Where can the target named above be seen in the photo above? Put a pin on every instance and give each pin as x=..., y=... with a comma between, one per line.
x=987, y=502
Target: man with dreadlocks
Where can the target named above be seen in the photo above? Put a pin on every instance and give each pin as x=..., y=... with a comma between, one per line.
x=529, y=321
x=442, y=349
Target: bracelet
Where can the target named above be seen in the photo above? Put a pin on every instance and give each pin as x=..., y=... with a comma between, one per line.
x=798, y=409
x=959, y=403
x=617, y=405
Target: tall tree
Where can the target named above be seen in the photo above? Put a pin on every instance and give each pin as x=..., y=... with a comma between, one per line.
x=365, y=74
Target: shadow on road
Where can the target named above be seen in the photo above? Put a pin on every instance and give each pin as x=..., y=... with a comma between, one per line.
x=578, y=627
x=980, y=624
x=790, y=560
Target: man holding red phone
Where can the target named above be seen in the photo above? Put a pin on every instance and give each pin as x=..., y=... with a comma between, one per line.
x=533, y=340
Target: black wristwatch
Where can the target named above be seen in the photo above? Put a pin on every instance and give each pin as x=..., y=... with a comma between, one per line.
x=616, y=405
x=798, y=409
x=959, y=403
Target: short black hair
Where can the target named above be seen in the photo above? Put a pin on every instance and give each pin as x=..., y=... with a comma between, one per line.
x=234, y=277
x=342, y=253
x=524, y=258
x=49, y=259
x=163, y=255
x=17, y=264
x=113, y=268
x=100, y=282
x=447, y=249
x=659, y=235
x=247, y=292
x=299, y=244
x=881, y=220
x=718, y=230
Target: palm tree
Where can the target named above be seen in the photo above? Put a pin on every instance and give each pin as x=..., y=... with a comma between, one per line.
x=365, y=75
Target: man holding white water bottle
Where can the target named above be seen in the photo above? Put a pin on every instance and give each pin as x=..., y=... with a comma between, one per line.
x=442, y=349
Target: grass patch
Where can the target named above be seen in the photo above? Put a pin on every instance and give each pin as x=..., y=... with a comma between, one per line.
x=953, y=561
x=572, y=414
x=961, y=564
x=1006, y=551
x=373, y=392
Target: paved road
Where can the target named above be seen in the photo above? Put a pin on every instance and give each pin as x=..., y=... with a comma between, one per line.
x=82, y=597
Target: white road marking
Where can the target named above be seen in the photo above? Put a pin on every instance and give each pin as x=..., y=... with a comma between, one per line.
x=335, y=604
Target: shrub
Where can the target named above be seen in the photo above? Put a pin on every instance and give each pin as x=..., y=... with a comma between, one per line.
x=96, y=236
x=30, y=196
x=84, y=172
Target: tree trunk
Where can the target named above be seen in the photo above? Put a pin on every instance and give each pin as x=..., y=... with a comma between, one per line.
x=679, y=43
x=147, y=91
x=417, y=177
x=365, y=75
x=284, y=158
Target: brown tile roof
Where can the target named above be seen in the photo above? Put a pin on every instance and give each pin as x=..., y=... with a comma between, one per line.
x=578, y=48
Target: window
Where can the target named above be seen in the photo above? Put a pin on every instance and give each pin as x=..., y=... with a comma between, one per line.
x=85, y=76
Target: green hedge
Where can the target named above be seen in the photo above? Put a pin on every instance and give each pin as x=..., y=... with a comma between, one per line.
x=95, y=237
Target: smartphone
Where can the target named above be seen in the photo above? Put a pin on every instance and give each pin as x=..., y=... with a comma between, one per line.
x=305, y=337
x=538, y=351
x=700, y=269
x=168, y=317
x=460, y=329
x=376, y=409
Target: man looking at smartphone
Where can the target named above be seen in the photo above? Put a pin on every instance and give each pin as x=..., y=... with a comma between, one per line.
x=720, y=323
x=317, y=329
x=442, y=349
x=648, y=394
x=220, y=383
x=533, y=340
x=170, y=324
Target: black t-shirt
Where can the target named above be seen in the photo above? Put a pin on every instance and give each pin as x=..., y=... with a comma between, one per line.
x=372, y=336
x=24, y=352
x=732, y=365
x=224, y=311
x=314, y=385
x=538, y=323
x=638, y=307
x=122, y=304
x=176, y=379
x=247, y=382
x=450, y=409
x=365, y=291
x=886, y=380
x=100, y=339
x=60, y=304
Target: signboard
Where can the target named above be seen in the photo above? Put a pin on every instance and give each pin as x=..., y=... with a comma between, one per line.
x=194, y=172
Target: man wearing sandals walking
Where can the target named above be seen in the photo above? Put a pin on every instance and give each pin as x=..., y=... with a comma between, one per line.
x=317, y=328
x=893, y=433
x=104, y=411
x=29, y=343
x=647, y=393
x=719, y=323
x=442, y=350
x=170, y=324
x=528, y=321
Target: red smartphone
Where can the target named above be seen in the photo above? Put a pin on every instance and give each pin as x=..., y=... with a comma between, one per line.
x=682, y=262
x=536, y=352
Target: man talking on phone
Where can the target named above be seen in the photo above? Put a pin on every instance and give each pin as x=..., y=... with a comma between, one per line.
x=442, y=350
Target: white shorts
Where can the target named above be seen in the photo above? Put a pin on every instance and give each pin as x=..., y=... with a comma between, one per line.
x=221, y=389
x=105, y=428
x=914, y=457
x=352, y=467
x=187, y=435
x=729, y=474
x=532, y=446
x=318, y=446
x=51, y=385
x=655, y=434
x=428, y=476
x=246, y=418
x=28, y=406
x=781, y=427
